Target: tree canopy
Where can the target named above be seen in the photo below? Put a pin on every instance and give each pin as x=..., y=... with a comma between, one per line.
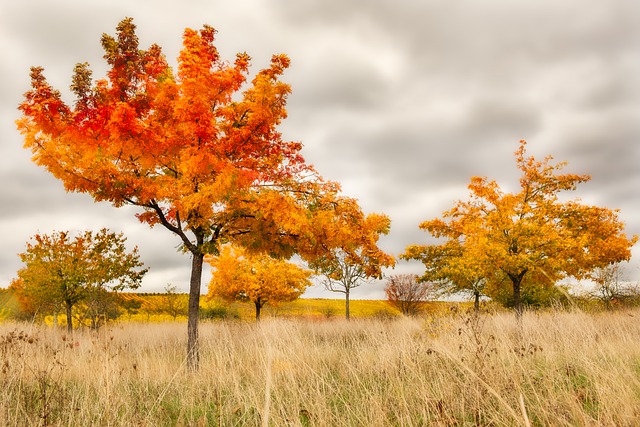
x=258, y=278
x=530, y=236
x=61, y=271
x=196, y=149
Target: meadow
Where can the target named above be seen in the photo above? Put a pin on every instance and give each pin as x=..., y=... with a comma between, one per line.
x=561, y=368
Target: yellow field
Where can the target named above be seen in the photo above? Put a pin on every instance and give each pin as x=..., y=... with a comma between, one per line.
x=8, y=304
x=151, y=309
x=311, y=308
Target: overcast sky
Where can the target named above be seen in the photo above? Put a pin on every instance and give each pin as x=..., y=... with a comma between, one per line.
x=402, y=102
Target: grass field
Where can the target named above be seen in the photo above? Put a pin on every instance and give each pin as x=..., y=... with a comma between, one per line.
x=556, y=368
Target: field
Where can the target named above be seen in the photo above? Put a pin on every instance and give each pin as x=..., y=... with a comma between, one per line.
x=555, y=368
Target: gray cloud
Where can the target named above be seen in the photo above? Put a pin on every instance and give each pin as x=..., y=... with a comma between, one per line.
x=401, y=102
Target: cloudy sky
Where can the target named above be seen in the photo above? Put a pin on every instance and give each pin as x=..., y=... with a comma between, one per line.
x=400, y=101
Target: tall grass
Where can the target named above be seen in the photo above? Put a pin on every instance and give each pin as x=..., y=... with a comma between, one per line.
x=556, y=368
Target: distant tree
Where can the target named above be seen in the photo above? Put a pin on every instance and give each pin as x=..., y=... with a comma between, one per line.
x=98, y=306
x=531, y=236
x=611, y=288
x=349, y=266
x=32, y=302
x=172, y=302
x=407, y=294
x=60, y=272
x=258, y=278
x=450, y=272
x=130, y=305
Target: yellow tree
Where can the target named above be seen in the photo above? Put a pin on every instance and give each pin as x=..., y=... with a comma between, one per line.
x=529, y=236
x=258, y=278
x=450, y=271
x=61, y=272
x=197, y=150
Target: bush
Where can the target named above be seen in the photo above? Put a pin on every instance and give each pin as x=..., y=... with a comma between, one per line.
x=534, y=296
x=407, y=294
x=218, y=312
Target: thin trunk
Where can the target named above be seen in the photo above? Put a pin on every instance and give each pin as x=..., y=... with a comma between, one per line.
x=476, y=302
x=193, y=353
x=69, y=319
x=346, y=303
x=258, y=307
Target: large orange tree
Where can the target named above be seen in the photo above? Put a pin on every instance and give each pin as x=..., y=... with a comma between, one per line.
x=197, y=150
x=528, y=237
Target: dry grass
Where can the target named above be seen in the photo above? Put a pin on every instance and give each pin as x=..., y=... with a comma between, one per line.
x=556, y=369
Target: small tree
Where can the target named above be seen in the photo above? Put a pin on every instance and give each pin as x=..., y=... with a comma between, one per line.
x=172, y=302
x=98, y=306
x=450, y=272
x=258, y=278
x=130, y=305
x=406, y=293
x=60, y=272
x=610, y=288
x=349, y=266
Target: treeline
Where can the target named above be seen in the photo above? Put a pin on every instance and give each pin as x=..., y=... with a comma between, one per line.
x=408, y=293
x=172, y=306
x=105, y=306
x=422, y=300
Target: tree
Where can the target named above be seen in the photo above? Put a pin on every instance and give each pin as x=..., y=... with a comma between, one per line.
x=450, y=272
x=258, y=278
x=60, y=272
x=98, y=306
x=529, y=237
x=196, y=156
x=350, y=265
x=131, y=305
x=172, y=302
x=406, y=293
x=610, y=288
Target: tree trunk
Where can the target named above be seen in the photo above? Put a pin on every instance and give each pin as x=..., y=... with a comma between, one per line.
x=516, y=280
x=346, y=304
x=476, y=302
x=258, y=307
x=193, y=353
x=69, y=319
x=517, y=299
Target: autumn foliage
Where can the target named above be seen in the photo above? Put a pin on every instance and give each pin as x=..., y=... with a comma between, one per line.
x=196, y=149
x=527, y=237
x=61, y=271
x=257, y=278
x=348, y=266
